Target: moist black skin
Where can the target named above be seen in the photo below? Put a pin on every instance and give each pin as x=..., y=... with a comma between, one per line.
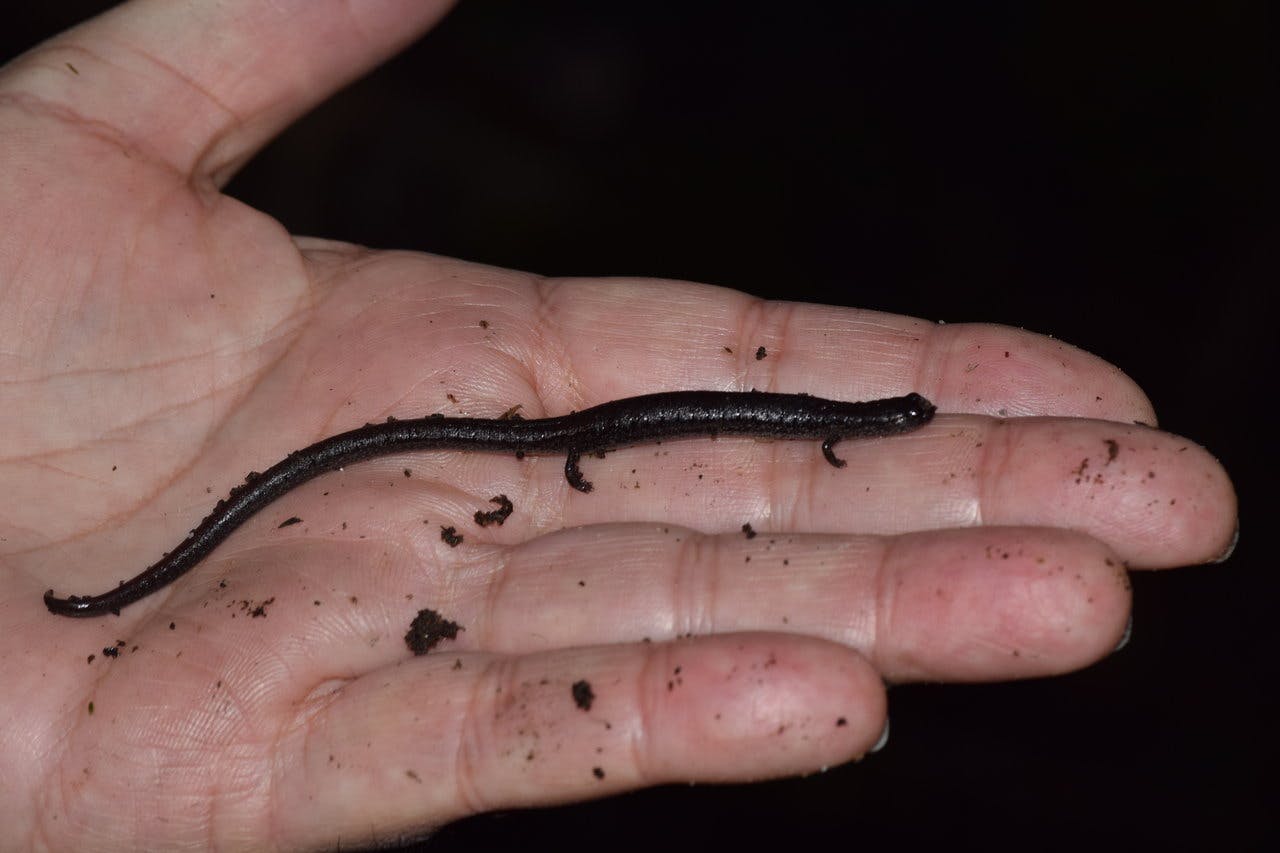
x=619, y=423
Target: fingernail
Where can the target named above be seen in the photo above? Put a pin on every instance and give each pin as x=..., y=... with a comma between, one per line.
x=1124, y=638
x=884, y=738
x=1231, y=546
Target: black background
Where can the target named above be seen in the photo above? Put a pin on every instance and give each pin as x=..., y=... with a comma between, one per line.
x=1104, y=174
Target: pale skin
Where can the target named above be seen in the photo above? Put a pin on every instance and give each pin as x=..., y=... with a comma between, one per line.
x=158, y=340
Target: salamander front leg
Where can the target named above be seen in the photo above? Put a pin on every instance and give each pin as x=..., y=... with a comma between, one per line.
x=828, y=450
x=573, y=473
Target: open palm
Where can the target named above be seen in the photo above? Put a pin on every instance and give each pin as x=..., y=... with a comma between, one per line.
x=158, y=340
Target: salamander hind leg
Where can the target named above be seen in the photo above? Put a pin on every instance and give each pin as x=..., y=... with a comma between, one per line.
x=573, y=473
x=828, y=450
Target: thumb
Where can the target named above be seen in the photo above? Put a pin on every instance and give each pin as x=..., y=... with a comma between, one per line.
x=202, y=86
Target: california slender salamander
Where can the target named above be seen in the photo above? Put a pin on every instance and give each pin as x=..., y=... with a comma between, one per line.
x=619, y=423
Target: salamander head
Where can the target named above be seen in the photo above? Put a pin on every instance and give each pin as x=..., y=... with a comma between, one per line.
x=919, y=410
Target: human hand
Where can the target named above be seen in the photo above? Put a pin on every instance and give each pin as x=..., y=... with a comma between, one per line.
x=160, y=340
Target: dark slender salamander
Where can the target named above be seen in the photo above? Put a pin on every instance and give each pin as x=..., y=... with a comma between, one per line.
x=619, y=423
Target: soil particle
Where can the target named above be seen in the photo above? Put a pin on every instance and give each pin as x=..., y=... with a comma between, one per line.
x=428, y=629
x=583, y=695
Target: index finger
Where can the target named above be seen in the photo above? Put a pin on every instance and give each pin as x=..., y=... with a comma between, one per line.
x=649, y=335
